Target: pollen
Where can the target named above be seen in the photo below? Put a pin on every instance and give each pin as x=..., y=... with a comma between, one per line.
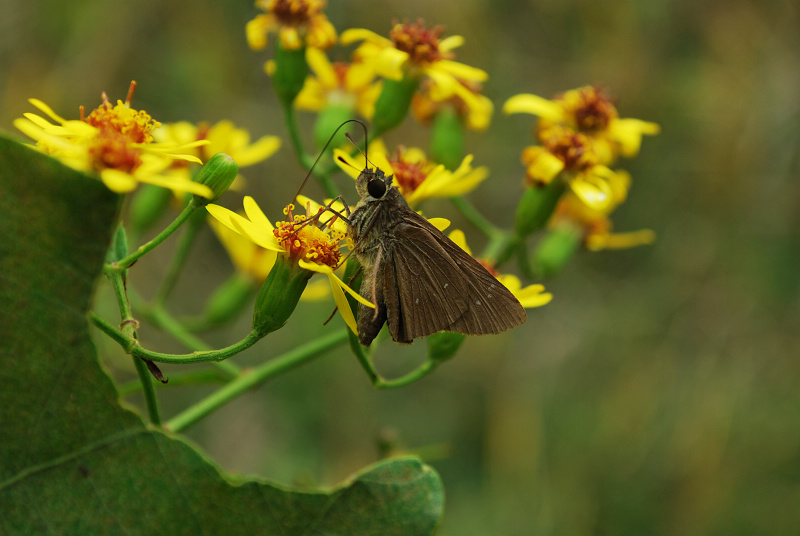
x=308, y=242
x=419, y=42
x=574, y=149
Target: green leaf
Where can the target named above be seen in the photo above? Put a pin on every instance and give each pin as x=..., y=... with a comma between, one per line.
x=72, y=459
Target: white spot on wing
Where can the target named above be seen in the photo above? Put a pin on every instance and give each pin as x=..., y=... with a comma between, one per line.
x=478, y=302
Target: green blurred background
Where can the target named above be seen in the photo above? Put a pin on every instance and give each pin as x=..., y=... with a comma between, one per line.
x=659, y=393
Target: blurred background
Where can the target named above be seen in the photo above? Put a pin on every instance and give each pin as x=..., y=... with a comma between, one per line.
x=659, y=393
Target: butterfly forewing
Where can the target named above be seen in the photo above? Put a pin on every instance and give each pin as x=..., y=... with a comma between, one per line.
x=434, y=293
x=449, y=290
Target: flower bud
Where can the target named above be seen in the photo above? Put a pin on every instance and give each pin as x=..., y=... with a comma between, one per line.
x=217, y=174
x=279, y=295
x=329, y=119
x=556, y=249
x=393, y=103
x=447, y=138
x=290, y=73
x=444, y=345
x=537, y=205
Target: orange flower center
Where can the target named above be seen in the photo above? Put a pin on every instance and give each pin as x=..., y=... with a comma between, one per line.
x=408, y=175
x=421, y=43
x=295, y=12
x=574, y=149
x=120, y=128
x=594, y=111
x=309, y=242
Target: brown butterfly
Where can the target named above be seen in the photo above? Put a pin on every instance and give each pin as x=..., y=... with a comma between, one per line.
x=420, y=281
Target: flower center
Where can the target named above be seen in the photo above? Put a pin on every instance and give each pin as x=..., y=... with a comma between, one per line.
x=592, y=110
x=408, y=175
x=574, y=149
x=421, y=43
x=295, y=12
x=309, y=242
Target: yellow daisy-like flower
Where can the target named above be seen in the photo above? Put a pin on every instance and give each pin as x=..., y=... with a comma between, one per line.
x=114, y=141
x=595, y=223
x=588, y=111
x=571, y=153
x=415, y=50
x=529, y=297
x=349, y=85
x=307, y=245
x=474, y=108
x=417, y=177
x=222, y=137
x=298, y=23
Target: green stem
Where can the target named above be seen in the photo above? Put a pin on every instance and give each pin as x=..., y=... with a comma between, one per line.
x=252, y=378
x=200, y=356
x=501, y=250
x=163, y=235
x=159, y=317
x=306, y=160
x=185, y=243
x=378, y=381
x=195, y=377
x=131, y=346
x=475, y=218
x=148, y=390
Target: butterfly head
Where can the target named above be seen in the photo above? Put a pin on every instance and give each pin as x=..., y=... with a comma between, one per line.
x=373, y=185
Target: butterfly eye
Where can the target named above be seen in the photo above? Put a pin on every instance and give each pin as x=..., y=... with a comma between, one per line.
x=376, y=188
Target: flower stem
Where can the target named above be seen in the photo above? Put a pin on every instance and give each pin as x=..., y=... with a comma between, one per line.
x=378, y=381
x=185, y=243
x=199, y=356
x=475, y=218
x=148, y=390
x=254, y=377
x=124, y=263
x=306, y=160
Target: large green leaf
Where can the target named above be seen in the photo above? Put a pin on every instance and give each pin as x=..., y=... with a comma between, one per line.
x=72, y=459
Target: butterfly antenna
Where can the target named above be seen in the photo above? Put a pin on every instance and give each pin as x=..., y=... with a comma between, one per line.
x=326, y=147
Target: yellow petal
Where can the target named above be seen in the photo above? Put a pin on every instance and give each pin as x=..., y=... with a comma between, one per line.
x=47, y=110
x=255, y=214
x=360, y=34
x=262, y=149
x=461, y=70
x=533, y=104
x=457, y=236
x=342, y=305
x=440, y=223
x=118, y=181
x=451, y=42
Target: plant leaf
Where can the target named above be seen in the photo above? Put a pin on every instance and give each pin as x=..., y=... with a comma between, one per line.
x=72, y=459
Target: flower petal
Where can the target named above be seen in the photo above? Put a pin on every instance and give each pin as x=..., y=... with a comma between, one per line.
x=255, y=214
x=533, y=104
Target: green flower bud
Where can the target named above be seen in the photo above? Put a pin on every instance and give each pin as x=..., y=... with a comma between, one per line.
x=328, y=120
x=393, y=103
x=444, y=345
x=279, y=295
x=217, y=174
x=147, y=206
x=556, y=249
x=537, y=205
x=447, y=138
x=290, y=73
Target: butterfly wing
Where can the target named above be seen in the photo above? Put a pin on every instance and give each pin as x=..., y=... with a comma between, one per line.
x=443, y=287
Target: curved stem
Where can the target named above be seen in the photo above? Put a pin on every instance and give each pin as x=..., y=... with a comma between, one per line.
x=200, y=356
x=475, y=217
x=124, y=263
x=252, y=378
x=148, y=390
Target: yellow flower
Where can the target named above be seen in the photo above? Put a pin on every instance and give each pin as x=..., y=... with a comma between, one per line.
x=114, y=141
x=309, y=246
x=298, y=23
x=349, y=85
x=588, y=111
x=222, y=137
x=417, y=177
x=595, y=223
x=572, y=155
x=474, y=109
x=529, y=297
x=415, y=50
